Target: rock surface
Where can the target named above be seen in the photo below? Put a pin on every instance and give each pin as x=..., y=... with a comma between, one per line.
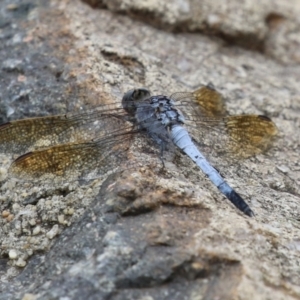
x=269, y=26
x=144, y=234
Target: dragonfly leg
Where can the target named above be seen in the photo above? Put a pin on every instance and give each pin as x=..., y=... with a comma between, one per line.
x=162, y=146
x=162, y=150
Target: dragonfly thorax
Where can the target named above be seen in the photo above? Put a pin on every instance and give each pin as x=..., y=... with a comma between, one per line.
x=165, y=111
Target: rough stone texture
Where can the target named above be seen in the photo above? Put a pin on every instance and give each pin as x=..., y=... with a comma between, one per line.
x=149, y=234
x=268, y=26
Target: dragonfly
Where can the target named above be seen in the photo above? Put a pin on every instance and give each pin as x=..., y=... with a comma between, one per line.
x=73, y=146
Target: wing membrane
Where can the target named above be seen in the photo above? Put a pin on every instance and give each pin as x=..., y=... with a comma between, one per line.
x=19, y=136
x=74, y=160
x=239, y=136
x=250, y=134
x=204, y=102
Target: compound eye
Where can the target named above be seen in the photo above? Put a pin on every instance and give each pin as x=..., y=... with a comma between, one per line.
x=128, y=96
x=132, y=97
x=140, y=94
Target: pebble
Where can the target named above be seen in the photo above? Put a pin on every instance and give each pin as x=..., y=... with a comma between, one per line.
x=21, y=263
x=32, y=222
x=53, y=232
x=29, y=296
x=69, y=211
x=12, y=254
x=16, y=207
x=29, y=252
x=284, y=169
x=10, y=184
x=61, y=219
x=12, y=65
x=10, y=217
x=36, y=230
x=12, y=6
x=3, y=173
x=5, y=213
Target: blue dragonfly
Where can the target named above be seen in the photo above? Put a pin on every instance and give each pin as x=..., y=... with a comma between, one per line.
x=74, y=146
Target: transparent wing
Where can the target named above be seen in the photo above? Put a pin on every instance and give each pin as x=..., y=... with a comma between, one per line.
x=204, y=102
x=239, y=136
x=69, y=147
x=73, y=161
x=17, y=137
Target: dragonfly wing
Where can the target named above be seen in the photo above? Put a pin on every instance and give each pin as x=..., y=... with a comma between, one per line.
x=235, y=137
x=19, y=136
x=72, y=161
x=204, y=102
x=249, y=135
x=238, y=136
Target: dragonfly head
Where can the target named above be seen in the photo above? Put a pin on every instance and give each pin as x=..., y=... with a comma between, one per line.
x=132, y=97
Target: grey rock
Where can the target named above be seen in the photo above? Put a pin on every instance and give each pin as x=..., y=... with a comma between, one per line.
x=147, y=234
